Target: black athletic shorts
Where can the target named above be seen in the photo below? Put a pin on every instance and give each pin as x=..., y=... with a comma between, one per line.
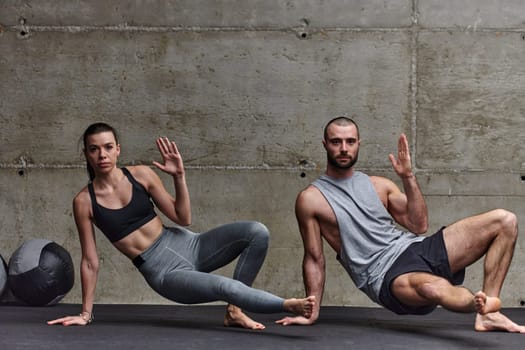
x=428, y=255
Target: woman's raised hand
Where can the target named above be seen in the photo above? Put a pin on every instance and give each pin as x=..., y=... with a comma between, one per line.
x=172, y=160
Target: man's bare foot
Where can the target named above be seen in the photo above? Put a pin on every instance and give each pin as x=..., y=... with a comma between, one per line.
x=236, y=318
x=485, y=304
x=496, y=321
x=302, y=307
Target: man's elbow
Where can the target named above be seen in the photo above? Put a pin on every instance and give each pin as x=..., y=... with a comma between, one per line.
x=314, y=262
x=420, y=228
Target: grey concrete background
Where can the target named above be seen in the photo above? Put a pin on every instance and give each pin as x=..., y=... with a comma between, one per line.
x=245, y=88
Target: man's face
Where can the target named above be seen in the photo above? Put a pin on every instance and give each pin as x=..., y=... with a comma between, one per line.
x=342, y=146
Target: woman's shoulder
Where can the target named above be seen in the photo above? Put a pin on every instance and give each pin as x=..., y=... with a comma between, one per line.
x=140, y=171
x=83, y=192
x=143, y=174
x=82, y=197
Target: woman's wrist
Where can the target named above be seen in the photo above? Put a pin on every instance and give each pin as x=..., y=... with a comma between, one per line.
x=87, y=316
x=179, y=175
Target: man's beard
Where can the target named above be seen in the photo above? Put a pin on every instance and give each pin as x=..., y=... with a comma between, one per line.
x=333, y=161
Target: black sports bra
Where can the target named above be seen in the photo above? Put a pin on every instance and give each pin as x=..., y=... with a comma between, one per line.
x=118, y=223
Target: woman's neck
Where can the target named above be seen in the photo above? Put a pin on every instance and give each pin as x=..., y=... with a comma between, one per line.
x=111, y=179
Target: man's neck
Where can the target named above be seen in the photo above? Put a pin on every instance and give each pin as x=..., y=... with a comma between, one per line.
x=338, y=173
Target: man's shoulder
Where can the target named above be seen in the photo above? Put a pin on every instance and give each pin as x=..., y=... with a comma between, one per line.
x=309, y=193
x=381, y=181
x=309, y=199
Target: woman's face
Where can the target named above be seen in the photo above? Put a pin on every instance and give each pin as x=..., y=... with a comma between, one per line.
x=102, y=151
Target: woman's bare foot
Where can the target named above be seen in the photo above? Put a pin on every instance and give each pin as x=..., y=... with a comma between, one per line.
x=302, y=307
x=496, y=321
x=485, y=304
x=236, y=318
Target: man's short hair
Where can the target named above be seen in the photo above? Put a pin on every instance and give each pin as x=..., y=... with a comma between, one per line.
x=341, y=121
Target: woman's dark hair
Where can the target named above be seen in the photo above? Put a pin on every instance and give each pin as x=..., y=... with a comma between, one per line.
x=96, y=128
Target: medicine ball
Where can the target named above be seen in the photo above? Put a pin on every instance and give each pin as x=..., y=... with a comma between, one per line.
x=40, y=273
x=3, y=275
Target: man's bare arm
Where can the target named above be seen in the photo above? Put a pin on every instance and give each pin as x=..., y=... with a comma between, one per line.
x=313, y=260
x=409, y=208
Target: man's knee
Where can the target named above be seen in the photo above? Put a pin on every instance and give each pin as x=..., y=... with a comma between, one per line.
x=508, y=222
x=433, y=289
x=419, y=288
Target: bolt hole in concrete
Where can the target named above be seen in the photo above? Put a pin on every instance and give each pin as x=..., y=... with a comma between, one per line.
x=522, y=177
x=522, y=302
x=21, y=172
x=302, y=174
x=22, y=21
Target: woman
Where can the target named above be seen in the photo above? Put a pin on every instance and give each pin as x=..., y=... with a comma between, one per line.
x=174, y=261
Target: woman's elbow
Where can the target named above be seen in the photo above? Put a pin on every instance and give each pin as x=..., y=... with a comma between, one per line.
x=185, y=223
x=184, y=220
x=90, y=265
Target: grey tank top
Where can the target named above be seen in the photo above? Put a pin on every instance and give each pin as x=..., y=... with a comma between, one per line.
x=370, y=238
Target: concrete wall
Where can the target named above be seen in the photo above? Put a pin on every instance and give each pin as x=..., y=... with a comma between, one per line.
x=245, y=88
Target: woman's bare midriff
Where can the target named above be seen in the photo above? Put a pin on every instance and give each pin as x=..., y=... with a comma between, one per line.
x=139, y=240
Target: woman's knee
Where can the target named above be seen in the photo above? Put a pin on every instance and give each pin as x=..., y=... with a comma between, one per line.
x=259, y=231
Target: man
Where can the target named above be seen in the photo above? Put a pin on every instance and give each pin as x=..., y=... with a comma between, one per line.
x=400, y=270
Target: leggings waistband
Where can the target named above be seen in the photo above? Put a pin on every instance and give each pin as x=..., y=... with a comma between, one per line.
x=138, y=261
x=142, y=257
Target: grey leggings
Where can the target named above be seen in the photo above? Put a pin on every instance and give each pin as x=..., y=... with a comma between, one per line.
x=179, y=262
